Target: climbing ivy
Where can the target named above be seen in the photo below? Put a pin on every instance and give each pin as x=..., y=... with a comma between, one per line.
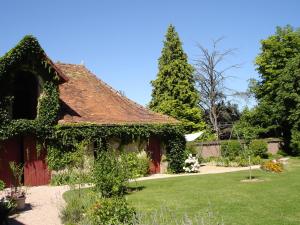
x=28, y=55
x=61, y=140
x=67, y=136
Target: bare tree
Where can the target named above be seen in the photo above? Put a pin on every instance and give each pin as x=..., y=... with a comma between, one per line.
x=210, y=77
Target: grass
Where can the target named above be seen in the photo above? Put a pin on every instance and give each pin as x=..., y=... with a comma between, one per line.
x=276, y=200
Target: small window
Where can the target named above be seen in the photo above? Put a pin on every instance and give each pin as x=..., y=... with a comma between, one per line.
x=25, y=90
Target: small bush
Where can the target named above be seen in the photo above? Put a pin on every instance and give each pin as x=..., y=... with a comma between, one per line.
x=137, y=165
x=272, y=166
x=223, y=161
x=256, y=160
x=231, y=149
x=259, y=148
x=110, y=174
x=110, y=211
x=295, y=143
x=191, y=164
x=70, y=177
x=73, y=212
x=191, y=148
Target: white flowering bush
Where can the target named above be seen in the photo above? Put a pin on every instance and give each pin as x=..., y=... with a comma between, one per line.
x=191, y=164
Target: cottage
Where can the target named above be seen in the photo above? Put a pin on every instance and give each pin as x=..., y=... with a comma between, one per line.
x=44, y=103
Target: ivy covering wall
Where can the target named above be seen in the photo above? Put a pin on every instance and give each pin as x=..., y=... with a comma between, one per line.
x=65, y=138
x=61, y=140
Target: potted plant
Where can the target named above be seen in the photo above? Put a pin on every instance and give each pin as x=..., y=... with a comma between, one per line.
x=17, y=194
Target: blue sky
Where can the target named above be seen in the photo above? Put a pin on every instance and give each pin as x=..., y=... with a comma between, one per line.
x=121, y=41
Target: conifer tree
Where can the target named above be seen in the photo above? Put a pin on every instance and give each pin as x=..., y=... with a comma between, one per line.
x=174, y=91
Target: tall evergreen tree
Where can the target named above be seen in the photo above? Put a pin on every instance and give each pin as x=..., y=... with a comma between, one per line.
x=174, y=92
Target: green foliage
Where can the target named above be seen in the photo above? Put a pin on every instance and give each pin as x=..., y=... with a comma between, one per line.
x=295, y=142
x=175, y=148
x=277, y=91
x=73, y=212
x=259, y=148
x=2, y=185
x=57, y=158
x=110, y=211
x=231, y=149
x=170, y=135
x=70, y=177
x=48, y=104
x=190, y=149
x=17, y=171
x=30, y=54
x=250, y=125
x=228, y=114
x=110, y=174
x=174, y=92
x=137, y=166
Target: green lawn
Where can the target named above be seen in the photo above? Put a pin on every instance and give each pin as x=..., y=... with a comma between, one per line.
x=276, y=200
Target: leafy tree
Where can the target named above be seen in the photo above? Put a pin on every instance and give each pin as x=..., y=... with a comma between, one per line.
x=174, y=92
x=228, y=114
x=249, y=126
x=278, y=91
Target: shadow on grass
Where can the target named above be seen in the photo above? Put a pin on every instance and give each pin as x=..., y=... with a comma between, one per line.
x=133, y=189
x=252, y=177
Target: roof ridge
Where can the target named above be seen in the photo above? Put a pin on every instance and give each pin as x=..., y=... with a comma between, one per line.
x=71, y=64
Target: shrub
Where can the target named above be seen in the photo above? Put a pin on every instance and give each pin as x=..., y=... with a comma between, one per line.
x=73, y=212
x=110, y=174
x=70, y=176
x=231, y=149
x=110, y=211
x=223, y=161
x=272, y=166
x=241, y=161
x=295, y=143
x=259, y=148
x=137, y=165
x=191, y=148
x=191, y=164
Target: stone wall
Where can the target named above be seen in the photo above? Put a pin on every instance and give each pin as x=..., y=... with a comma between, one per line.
x=213, y=148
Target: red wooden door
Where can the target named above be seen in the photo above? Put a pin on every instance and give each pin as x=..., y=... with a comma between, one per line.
x=155, y=154
x=35, y=167
x=10, y=150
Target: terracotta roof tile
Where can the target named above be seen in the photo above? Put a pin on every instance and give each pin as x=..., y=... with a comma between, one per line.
x=85, y=98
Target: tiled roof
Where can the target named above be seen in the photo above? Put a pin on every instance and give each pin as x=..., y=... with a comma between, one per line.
x=87, y=99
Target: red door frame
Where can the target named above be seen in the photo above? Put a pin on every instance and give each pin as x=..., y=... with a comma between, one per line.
x=35, y=167
x=23, y=150
x=154, y=150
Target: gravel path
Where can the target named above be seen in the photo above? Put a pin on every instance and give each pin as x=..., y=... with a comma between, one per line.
x=42, y=206
x=207, y=169
x=43, y=203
